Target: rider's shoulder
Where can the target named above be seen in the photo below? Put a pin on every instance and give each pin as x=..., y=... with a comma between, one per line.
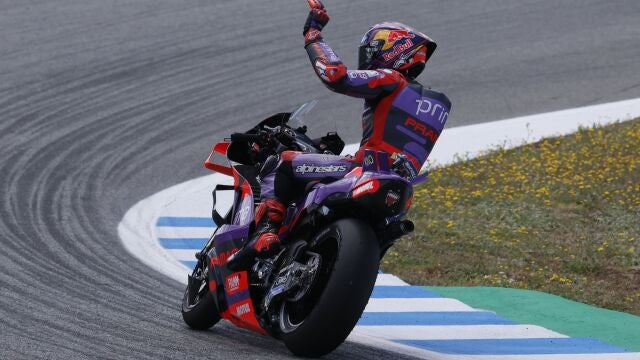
x=436, y=95
x=429, y=92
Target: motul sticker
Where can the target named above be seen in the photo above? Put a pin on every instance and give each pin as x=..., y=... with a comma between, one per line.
x=366, y=188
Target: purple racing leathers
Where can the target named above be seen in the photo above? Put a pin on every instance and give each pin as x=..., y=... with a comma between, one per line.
x=400, y=115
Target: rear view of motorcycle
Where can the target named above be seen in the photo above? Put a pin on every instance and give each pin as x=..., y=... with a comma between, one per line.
x=313, y=291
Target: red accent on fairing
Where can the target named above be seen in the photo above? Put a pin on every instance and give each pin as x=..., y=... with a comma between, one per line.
x=265, y=241
x=222, y=258
x=242, y=314
x=219, y=149
x=289, y=155
x=357, y=172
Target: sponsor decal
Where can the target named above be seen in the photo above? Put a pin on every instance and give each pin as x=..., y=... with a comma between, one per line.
x=243, y=309
x=333, y=58
x=370, y=186
x=369, y=160
x=233, y=283
x=396, y=35
x=421, y=128
x=221, y=259
x=363, y=74
x=392, y=198
x=425, y=106
x=321, y=69
x=315, y=169
x=397, y=50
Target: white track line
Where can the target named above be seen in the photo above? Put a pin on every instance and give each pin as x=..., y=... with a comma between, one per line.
x=472, y=140
x=183, y=255
x=184, y=232
x=458, y=332
x=388, y=305
x=389, y=280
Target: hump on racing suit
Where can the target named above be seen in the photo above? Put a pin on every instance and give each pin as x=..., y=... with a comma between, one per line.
x=400, y=115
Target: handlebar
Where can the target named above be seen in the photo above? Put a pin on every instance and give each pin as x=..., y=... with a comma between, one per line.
x=245, y=137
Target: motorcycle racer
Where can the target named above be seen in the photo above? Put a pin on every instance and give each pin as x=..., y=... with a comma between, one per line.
x=401, y=117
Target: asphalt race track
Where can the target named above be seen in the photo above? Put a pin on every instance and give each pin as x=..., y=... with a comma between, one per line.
x=105, y=102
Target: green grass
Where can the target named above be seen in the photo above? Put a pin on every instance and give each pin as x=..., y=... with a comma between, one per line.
x=560, y=216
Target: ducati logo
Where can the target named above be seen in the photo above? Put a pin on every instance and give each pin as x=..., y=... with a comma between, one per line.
x=392, y=198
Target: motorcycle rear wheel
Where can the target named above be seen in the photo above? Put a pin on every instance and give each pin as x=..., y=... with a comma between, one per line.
x=321, y=321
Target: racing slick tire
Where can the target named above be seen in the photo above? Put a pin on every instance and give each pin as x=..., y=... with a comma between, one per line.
x=350, y=260
x=201, y=312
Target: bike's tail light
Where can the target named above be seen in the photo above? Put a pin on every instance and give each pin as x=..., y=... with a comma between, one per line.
x=366, y=187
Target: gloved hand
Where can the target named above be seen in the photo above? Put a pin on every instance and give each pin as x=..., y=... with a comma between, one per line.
x=316, y=21
x=403, y=167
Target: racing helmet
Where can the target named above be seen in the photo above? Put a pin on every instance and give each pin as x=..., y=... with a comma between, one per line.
x=392, y=45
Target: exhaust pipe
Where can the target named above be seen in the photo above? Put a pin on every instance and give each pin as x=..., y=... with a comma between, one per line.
x=397, y=230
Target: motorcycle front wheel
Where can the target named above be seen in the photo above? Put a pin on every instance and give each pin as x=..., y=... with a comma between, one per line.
x=199, y=310
x=319, y=322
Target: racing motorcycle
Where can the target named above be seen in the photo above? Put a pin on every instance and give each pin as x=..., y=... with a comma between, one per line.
x=313, y=292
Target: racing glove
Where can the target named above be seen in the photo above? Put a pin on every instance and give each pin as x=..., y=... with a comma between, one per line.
x=316, y=21
x=403, y=167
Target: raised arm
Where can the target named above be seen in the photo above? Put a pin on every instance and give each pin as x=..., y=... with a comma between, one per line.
x=332, y=71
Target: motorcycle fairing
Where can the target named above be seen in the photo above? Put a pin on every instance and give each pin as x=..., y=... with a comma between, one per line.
x=231, y=289
x=218, y=161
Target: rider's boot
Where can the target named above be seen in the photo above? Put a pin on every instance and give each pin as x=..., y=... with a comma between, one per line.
x=265, y=241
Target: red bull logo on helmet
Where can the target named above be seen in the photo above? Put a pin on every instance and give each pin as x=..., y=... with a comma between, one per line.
x=396, y=35
x=397, y=50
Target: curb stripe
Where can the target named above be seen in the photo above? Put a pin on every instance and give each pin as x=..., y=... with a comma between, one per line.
x=516, y=346
x=402, y=292
x=457, y=332
x=171, y=221
x=184, y=232
x=434, y=318
x=599, y=356
x=189, y=264
x=183, y=243
x=389, y=280
x=391, y=305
